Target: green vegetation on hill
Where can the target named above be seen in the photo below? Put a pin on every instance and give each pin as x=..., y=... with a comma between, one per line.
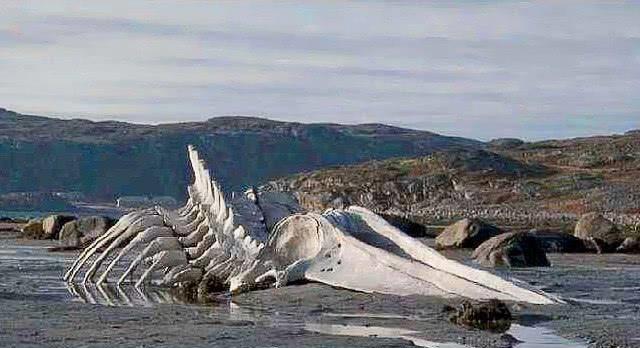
x=510, y=182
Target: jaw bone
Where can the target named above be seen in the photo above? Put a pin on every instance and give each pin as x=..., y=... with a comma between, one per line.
x=257, y=238
x=358, y=250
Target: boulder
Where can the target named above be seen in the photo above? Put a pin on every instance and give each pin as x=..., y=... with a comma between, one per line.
x=52, y=225
x=493, y=316
x=407, y=226
x=466, y=233
x=596, y=245
x=631, y=245
x=559, y=242
x=84, y=230
x=33, y=230
x=598, y=231
x=515, y=249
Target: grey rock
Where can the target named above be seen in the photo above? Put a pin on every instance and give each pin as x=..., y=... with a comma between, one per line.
x=205, y=291
x=407, y=226
x=466, y=233
x=33, y=230
x=84, y=230
x=559, y=242
x=595, y=228
x=52, y=225
x=492, y=316
x=515, y=249
x=509, y=340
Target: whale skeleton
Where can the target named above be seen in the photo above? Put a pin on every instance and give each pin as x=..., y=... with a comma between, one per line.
x=248, y=240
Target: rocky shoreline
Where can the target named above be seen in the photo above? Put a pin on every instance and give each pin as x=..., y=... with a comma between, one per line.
x=71, y=232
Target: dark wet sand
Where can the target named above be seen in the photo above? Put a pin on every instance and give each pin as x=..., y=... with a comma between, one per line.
x=37, y=310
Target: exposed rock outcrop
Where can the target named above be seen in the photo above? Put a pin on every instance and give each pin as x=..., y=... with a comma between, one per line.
x=52, y=224
x=466, y=233
x=515, y=249
x=532, y=185
x=83, y=231
x=599, y=232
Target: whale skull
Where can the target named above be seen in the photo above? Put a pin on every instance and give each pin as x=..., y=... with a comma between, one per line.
x=259, y=238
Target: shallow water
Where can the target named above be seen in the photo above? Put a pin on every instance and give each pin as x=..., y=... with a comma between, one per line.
x=377, y=331
x=312, y=315
x=531, y=337
x=540, y=337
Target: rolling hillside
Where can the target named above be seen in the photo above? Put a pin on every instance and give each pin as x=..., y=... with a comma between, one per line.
x=107, y=159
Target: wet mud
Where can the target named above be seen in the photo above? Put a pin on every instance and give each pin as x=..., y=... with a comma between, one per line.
x=37, y=309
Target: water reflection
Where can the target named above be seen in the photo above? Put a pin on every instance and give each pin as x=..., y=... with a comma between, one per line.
x=126, y=295
x=129, y=295
x=536, y=337
x=378, y=331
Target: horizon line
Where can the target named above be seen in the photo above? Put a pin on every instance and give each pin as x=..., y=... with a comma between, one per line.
x=112, y=118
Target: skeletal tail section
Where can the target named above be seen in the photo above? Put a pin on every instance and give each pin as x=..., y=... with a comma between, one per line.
x=174, y=244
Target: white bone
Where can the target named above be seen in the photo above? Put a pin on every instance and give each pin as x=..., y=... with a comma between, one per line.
x=182, y=273
x=145, y=237
x=186, y=229
x=431, y=257
x=121, y=225
x=140, y=222
x=163, y=259
x=156, y=246
x=197, y=235
x=238, y=233
x=206, y=243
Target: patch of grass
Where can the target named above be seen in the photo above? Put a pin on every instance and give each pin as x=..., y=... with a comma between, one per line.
x=400, y=167
x=573, y=182
x=630, y=231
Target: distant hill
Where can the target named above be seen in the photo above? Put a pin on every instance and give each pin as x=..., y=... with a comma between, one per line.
x=106, y=159
x=510, y=182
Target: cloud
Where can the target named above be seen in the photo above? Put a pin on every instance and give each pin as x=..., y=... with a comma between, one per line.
x=477, y=69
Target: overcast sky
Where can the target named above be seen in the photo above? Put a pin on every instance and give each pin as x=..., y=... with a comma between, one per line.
x=482, y=70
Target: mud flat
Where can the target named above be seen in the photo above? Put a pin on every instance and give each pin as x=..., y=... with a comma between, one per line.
x=39, y=310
